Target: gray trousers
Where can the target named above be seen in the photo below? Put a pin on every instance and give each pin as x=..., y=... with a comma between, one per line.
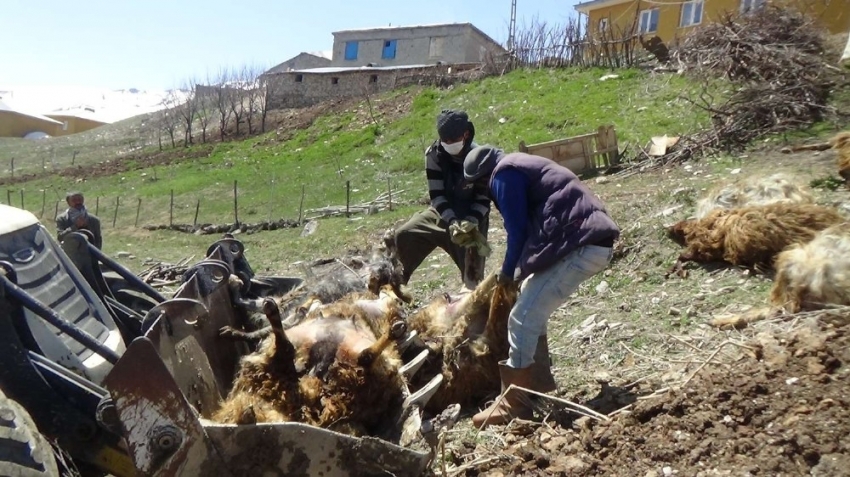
x=424, y=232
x=543, y=292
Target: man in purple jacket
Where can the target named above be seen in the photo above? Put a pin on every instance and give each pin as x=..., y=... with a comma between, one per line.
x=559, y=235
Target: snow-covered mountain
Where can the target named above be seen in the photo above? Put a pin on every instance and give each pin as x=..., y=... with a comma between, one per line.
x=101, y=104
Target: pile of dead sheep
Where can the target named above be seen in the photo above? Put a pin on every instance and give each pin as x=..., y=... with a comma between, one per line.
x=773, y=225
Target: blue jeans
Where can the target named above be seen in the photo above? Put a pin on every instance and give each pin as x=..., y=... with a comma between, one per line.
x=543, y=292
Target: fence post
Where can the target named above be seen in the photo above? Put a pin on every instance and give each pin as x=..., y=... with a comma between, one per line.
x=43, y=202
x=74, y=158
x=271, y=197
x=115, y=215
x=12, y=167
x=22, y=199
x=197, y=209
x=56, y=212
x=9, y=196
x=347, y=197
x=97, y=205
x=235, y=205
x=138, y=208
x=390, y=194
x=301, y=205
x=171, y=210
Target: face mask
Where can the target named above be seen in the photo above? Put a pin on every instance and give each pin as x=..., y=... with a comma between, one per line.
x=453, y=149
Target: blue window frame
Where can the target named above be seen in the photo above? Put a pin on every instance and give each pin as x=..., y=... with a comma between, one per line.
x=350, y=50
x=649, y=21
x=389, y=50
x=691, y=13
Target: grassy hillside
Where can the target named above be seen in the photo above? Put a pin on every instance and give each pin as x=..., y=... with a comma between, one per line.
x=368, y=148
x=94, y=146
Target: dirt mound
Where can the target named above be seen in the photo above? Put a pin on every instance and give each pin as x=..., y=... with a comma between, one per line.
x=784, y=410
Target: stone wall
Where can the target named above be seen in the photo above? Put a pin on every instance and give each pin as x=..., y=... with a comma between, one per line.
x=302, y=89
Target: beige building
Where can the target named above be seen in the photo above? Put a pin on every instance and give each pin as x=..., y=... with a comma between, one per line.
x=17, y=123
x=75, y=121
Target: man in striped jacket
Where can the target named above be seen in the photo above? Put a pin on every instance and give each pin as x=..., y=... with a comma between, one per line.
x=453, y=201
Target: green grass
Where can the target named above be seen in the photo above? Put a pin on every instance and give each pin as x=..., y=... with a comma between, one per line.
x=533, y=106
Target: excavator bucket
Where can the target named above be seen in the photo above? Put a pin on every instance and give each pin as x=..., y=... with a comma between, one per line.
x=168, y=383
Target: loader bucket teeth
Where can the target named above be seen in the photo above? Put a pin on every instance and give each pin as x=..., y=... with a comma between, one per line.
x=423, y=395
x=409, y=369
x=405, y=341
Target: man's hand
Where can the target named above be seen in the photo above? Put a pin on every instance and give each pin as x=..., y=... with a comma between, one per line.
x=460, y=232
x=80, y=222
x=504, y=279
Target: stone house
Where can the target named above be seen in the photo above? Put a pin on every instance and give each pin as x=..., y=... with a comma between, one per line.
x=375, y=60
x=413, y=45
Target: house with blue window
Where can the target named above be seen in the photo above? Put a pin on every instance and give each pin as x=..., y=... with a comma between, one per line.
x=374, y=60
x=451, y=43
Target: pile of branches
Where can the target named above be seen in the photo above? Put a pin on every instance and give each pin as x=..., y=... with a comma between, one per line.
x=162, y=273
x=209, y=229
x=774, y=61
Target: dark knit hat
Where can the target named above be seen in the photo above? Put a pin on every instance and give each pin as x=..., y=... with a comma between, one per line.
x=480, y=162
x=452, y=124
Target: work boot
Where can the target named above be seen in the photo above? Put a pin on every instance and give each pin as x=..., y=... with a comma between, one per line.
x=542, y=380
x=515, y=404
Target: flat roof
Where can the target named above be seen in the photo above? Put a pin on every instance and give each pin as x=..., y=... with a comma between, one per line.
x=586, y=7
x=403, y=27
x=6, y=107
x=76, y=113
x=343, y=69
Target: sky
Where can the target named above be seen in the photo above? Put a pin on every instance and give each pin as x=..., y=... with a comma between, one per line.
x=160, y=44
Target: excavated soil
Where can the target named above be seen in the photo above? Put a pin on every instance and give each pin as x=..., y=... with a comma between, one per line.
x=782, y=409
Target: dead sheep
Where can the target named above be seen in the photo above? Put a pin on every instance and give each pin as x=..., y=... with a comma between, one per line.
x=750, y=236
x=753, y=191
x=467, y=337
x=814, y=275
x=338, y=368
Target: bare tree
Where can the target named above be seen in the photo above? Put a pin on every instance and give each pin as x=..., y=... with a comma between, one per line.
x=236, y=97
x=266, y=87
x=251, y=78
x=170, y=118
x=188, y=111
x=205, y=106
x=222, y=102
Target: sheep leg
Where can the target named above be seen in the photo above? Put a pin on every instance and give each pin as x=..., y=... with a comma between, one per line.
x=370, y=354
x=678, y=268
x=284, y=350
x=238, y=335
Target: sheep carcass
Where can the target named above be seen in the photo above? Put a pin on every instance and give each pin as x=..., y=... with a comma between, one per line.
x=754, y=191
x=338, y=368
x=750, y=236
x=466, y=338
x=814, y=275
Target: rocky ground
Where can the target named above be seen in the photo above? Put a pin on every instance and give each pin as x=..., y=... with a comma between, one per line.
x=781, y=408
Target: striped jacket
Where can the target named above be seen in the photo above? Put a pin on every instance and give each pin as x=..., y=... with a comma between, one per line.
x=450, y=195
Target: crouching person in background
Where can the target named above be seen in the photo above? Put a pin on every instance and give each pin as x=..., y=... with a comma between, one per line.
x=559, y=235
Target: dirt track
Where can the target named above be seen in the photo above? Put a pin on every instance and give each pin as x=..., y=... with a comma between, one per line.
x=783, y=410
